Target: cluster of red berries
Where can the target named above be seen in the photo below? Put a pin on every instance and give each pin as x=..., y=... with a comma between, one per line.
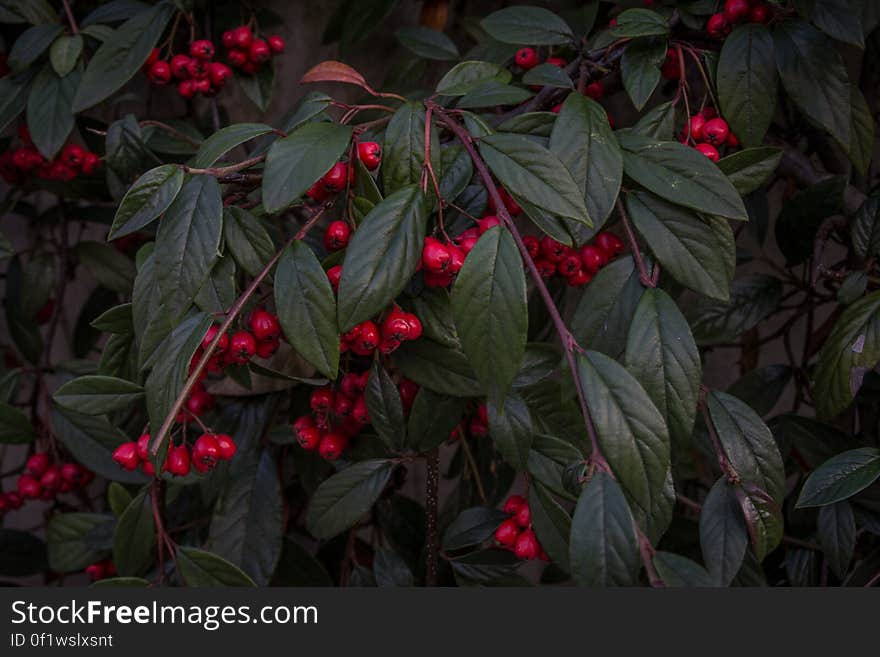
x=42, y=479
x=101, y=570
x=736, y=11
x=708, y=132
x=207, y=451
x=339, y=415
x=17, y=165
x=516, y=532
x=527, y=59
x=397, y=327
x=476, y=424
x=248, y=52
x=341, y=173
x=576, y=266
x=196, y=72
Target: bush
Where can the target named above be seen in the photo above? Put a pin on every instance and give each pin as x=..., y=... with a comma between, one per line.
x=517, y=271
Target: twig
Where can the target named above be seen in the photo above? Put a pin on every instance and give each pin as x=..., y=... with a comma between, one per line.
x=219, y=172
x=648, y=280
x=70, y=19
x=432, y=486
x=475, y=472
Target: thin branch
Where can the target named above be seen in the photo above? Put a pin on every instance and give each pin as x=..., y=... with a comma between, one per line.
x=70, y=19
x=648, y=280
x=432, y=493
x=219, y=172
x=224, y=327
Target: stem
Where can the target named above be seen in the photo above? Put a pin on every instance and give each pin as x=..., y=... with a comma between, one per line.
x=475, y=472
x=645, y=279
x=219, y=172
x=431, y=497
x=172, y=131
x=725, y=465
x=224, y=327
x=70, y=19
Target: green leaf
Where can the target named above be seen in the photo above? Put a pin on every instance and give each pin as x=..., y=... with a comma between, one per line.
x=746, y=80
x=492, y=94
x=76, y=540
x=839, y=19
x=91, y=440
x=432, y=417
x=605, y=310
x=65, y=52
x=752, y=298
x=510, y=426
x=297, y=567
x=472, y=527
x=120, y=57
x=146, y=199
x=110, y=267
x=258, y=87
x=865, y=228
x=403, y=157
x=552, y=525
x=382, y=256
x=763, y=518
x=491, y=311
x=344, y=498
x=723, y=534
x=15, y=428
x=662, y=355
x=127, y=582
x=686, y=245
x=803, y=214
x=458, y=169
x=837, y=535
x=385, y=407
x=657, y=123
x=680, y=175
x=21, y=554
x=96, y=395
x=225, y=139
x=428, y=43
x=296, y=162
x=585, y=144
x=750, y=168
x=535, y=174
x=678, y=571
x=469, y=75
x=603, y=546
x=306, y=308
x=527, y=26
x=49, y=117
x=201, y=568
x=134, y=539
x=391, y=570
x=445, y=370
x=814, y=76
x=633, y=438
x=32, y=43
x=548, y=75
x=640, y=69
x=747, y=443
x=841, y=477
x=639, y=23
x=246, y=527
x=118, y=498
x=860, y=148
x=188, y=243
x=247, y=240
x=217, y=294
x=14, y=92
x=852, y=349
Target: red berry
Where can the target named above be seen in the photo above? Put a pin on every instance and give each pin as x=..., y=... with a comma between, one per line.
x=334, y=180
x=238, y=58
x=186, y=89
x=415, y=326
x=552, y=250
x=73, y=474
x=333, y=275
x=594, y=258
x=264, y=325
x=37, y=464
x=556, y=61
x=526, y=58
x=367, y=338
x=180, y=67
x=143, y=447
x=267, y=348
x=126, y=455
x=732, y=140
x=736, y=11
x=533, y=246
x=202, y=86
x=487, y=222
x=259, y=52
x=96, y=571
x=468, y=239
x=759, y=13
x=228, y=39
x=152, y=58
x=206, y=452
x=697, y=127
x=594, y=90
x=359, y=411
x=507, y=533
x=28, y=487
x=716, y=131
x=396, y=326
x=197, y=69
x=708, y=150
x=337, y=235
x=226, y=445
x=148, y=469
x=524, y=515
x=513, y=504
x=331, y=446
x=556, y=108
x=370, y=153
x=276, y=44
x=242, y=37
x=178, y=461
x=199, y=401
x=317, y=192
x=569, y=265
x=91, y=163
x=717, y=26
x=223, y=343
x=309, y=438
x=72, y=155
x=609, y=242
x=202, y=49
x=527, y=546
x=546, y=268
x=435, y=256
x=51, y=479
x=321, y=401
x=159, y=73
x=218, y=73
x=242, y=347
x=408, y=391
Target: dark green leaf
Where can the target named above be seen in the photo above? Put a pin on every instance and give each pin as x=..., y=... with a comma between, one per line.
x=403, y=157
x=639, y=23
x=837, y=535
x=432, y=417
x=15, y=428
x=428, y=43
x=385, y=407
x=147, y=199
x=110, y=267
x=546, y=75
x=464, y=77
x=839, y=19
x=201, y=568
x=391, y=570
x=865, y=230
x=73, y=540
x=32, y=43
x=65, y=52
x=802, y=215
x=492, y=94
x=678, y=571
x=510, y=427
x=224, y=140
x=841, y=477
x=657, y=123
x=763, y=519
x=258, y=87
x=297, y=567
x=762, y=387
x=527, y=26
x=96, y=395
x=640, y=69
x=134, y=539
x=91, y=440
x=552, y=525
x=49, y=117
x=723, y=535
x=247, y=240
x=342, y=499
x=472, y=527
x=444, y=370
x=306, y=308
x=750, y=168
x=217, y=294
